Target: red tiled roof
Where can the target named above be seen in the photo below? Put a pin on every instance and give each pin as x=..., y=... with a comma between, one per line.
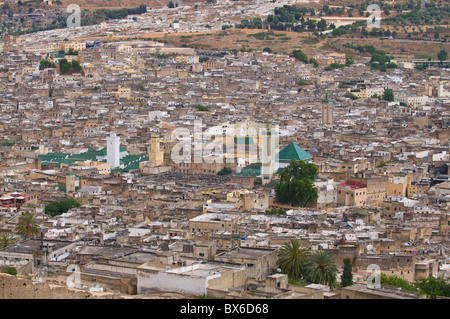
x=352, y=184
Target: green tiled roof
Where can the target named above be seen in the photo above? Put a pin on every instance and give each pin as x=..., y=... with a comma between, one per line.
x=86, y=156
x=102, y=152
x=251, y=170
x=130, y=162
x=293, y=151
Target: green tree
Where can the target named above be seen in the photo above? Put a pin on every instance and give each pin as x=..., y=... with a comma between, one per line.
x=292, y=259
x=76, y=66
x=72, y=52
x=67, y=204
x=299, y=170
x=322, y=269
x=275, y=211
x=296, y=187
x=442, y=55
x=314, y=62
x=433, y=287
x=351, y=95
x=322, y=25
x=202, y=108
x=298, y=192
x=388, y=95
x=61, y=207
x=397, y=282
x=45, y=64
x=64, y=66
x=9, y=270
x=141, y=87
x=225, y=171
x=171, y=5
x=347, y=276
x=6, y=240
x=27, y=226
x=300, y=56
x=338, y=32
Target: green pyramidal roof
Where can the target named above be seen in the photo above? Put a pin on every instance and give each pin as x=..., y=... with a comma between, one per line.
x=293, y=151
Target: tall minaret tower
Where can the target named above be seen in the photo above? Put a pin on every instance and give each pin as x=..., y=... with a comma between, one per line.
x=327, y=110
x=156, y=155
x=113, y=150
x=269, y=152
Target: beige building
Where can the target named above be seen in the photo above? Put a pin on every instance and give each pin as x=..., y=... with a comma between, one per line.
x=362, y=291
x=213, y=222
x=123, y=92
x=417, y=188
x=377, y=190
x=351, y=193
x=258, y=262
x=400, y=265
x=75, y=45
x=102, y=167
x=398, y=185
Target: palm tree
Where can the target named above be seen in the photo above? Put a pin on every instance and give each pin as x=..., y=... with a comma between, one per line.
x=27, y=226
x=292, y=258
x=6, y=240
x=322, y=269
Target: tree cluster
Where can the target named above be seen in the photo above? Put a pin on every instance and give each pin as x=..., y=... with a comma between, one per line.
x=299, y=263
x=225, y=171
x=45, y=64
x=275, y=211
x=430, y=287
x=296, y=186
x=66, y=67
x=60, y=207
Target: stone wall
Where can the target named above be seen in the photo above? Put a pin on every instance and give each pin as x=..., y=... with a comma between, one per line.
x=12, y=287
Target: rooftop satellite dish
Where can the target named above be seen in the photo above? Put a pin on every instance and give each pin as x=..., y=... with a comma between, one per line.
x=167, y=268
x=278, y=270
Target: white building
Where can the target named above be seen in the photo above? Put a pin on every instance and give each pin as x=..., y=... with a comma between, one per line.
x=194, y=279
x=113, y=150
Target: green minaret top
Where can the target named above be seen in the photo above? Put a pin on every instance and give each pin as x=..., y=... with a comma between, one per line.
x=327, y=99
